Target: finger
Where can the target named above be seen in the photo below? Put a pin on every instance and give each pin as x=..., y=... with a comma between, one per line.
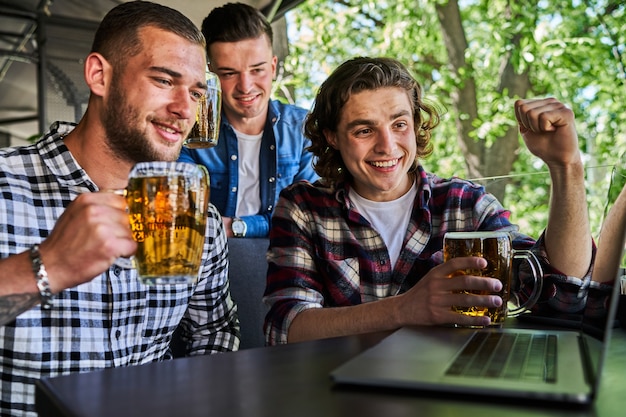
x=543, y=115
x=107, y=198
x=475, y=300
x=468, y=321
x=552, y=117
x=526, y=112
x=520, y=114
x=524, y=109
x=461, y=263
x=475, y=283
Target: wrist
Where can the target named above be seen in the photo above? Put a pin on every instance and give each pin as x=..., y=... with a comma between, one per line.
x=238, y=227
x=41, y=278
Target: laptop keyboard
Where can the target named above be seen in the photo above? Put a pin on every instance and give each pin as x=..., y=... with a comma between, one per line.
x=509, y=356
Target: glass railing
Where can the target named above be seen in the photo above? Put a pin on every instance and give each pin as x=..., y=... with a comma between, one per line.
x=527, y=195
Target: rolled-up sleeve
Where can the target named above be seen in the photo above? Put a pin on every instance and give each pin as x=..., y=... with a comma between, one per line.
x=292, y=286
x=568, y=294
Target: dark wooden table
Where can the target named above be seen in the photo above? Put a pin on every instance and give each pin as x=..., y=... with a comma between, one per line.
x=290, y=380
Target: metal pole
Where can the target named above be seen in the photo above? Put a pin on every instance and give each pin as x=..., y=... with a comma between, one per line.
x=42, y=39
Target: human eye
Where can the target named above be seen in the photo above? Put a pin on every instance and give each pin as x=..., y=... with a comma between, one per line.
x=197, y=95
x=162, y=81
x=362, y=132
x=401, y=124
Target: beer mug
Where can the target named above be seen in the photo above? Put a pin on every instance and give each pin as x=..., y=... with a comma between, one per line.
x=205, y=131
x=167, y=204
x=495, y=247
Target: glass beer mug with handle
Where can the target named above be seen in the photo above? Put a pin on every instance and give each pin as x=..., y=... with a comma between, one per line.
x=205, y=131
x=496, y=247
x=167, y=209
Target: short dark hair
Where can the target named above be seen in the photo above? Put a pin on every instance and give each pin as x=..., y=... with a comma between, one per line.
x=117, y=35
x=351, y=77
x=234, y=22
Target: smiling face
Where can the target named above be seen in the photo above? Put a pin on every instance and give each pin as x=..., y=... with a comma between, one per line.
x=376, y=139
x=151, y=103
x=246, y=69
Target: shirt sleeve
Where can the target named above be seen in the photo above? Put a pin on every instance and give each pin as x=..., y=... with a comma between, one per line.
x=564, y=293
x=257, y=225
x=292, y=284
x=210, y=323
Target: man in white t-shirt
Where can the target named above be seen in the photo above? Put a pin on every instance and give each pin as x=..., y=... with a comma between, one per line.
x=361, y=249
x=261, y=147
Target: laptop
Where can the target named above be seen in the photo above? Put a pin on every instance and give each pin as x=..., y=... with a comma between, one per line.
x=561, y=365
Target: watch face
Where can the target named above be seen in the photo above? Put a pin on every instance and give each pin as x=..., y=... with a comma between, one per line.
x=239, y=227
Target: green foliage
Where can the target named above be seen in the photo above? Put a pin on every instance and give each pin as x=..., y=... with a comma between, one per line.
x=572, y=50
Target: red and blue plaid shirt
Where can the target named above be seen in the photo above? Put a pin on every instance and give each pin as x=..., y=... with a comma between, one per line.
x=323, y=253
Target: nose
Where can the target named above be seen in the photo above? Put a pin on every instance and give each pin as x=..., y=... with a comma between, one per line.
x=182, y=105
x=245, y=82
x=385, y=142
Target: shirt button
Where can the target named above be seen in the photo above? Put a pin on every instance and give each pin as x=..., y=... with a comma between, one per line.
x=271, y=179
x=234, y=189
x=118, y=334
x=272, y=147
x=233, y=157
x=382, y=262
x=117, y=270
x=269, y=208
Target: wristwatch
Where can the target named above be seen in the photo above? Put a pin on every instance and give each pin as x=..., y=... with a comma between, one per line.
x=239, y=227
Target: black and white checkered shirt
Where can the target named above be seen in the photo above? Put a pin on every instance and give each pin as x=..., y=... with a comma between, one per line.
x=112, y=320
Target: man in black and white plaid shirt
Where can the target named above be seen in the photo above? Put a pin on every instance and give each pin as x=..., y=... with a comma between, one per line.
x=146, y=73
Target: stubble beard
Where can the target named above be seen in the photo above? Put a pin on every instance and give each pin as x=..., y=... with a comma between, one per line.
x=125, y=140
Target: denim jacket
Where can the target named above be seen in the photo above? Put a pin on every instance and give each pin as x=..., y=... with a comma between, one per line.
x=283, y=160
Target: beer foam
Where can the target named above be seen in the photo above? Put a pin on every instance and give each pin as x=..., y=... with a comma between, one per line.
x=478, y=234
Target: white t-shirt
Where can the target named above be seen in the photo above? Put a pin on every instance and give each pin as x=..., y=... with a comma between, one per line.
x=389, y=218
x=248, y=192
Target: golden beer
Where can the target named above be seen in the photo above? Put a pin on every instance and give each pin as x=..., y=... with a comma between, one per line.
x=205, y=131
x=168, y=204
x=496, y=247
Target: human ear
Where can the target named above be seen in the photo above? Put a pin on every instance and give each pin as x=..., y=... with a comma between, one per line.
x=331, y=138
x=97, y=73
x=274, y=64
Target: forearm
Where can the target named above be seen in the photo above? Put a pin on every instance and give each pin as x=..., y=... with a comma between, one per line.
x=319, y=323
x=568, y=237
x=611, y=240
x=18, y=291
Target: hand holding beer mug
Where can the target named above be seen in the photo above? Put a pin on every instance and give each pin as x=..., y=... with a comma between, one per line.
x=168, y=203
x=496, y=248
x=205, y=131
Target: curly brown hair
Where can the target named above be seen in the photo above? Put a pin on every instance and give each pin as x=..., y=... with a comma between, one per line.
x=351, y=77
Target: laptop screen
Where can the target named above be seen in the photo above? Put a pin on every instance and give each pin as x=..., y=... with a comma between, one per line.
x=597, y=334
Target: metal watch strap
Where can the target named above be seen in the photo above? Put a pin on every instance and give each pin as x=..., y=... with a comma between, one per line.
x=41, y=275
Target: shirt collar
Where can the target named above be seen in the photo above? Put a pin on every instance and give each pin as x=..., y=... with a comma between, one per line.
x=59, y=160
x=424, y=189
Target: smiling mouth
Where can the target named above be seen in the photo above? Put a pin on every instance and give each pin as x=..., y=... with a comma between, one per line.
x=385, y=164
x=168, y=129
x=248, y=99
